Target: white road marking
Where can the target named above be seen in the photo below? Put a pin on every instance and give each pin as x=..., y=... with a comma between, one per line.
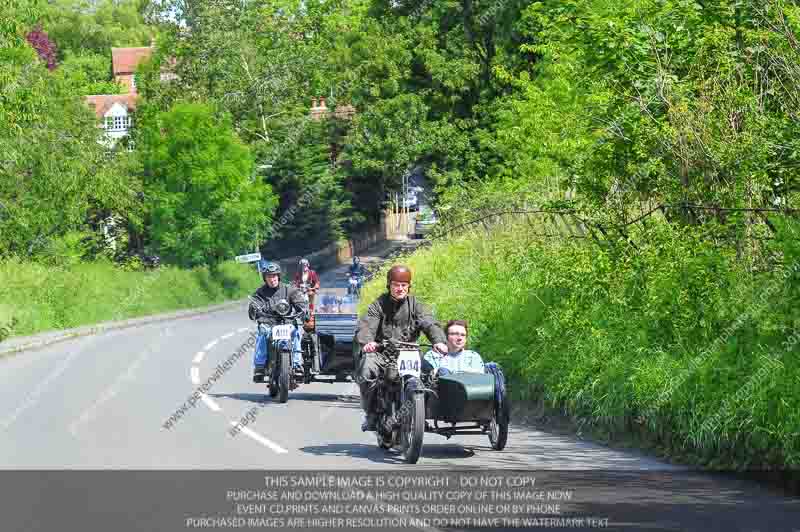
x=199, y=357
x=226, y=336
x=259, y=438
x=209, y=403
x=243, y=329
x=210, y=345
x=195, y=375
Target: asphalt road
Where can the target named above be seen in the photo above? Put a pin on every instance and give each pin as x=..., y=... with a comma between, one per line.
x=101, y=402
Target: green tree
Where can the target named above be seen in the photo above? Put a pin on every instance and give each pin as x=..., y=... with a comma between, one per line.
x=89, y=73
x=313, y=203
x=203, y=203
x=53, y=171
x=95, y=26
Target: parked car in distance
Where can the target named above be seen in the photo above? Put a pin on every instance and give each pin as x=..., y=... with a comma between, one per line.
x=426, y=219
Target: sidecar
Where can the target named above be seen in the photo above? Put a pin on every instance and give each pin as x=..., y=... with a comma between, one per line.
x=328, y=342
x=468, y=403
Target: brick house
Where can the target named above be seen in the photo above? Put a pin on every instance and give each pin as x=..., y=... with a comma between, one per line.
x=115, y=111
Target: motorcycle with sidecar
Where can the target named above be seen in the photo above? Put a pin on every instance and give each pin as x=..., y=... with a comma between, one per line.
x=412, y=401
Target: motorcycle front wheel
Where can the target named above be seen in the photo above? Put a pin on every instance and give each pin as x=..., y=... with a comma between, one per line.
x=273, y=380
x=283, y=376
x=413, y=427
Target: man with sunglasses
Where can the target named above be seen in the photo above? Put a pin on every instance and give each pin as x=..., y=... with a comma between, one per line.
x=394, y=315
x=457, y=359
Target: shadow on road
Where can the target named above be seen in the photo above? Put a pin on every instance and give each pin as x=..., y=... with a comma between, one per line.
x=377, y=455
x=333, y=399
x=259, y=398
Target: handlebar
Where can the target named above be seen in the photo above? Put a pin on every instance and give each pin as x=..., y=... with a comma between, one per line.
x=400, y=344
x=287, y=318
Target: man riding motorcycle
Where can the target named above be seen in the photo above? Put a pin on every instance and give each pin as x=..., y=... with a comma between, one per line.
x=357, y=268
x=308, y=277
x=273, y=290
x=394, y=315
x=357, y=271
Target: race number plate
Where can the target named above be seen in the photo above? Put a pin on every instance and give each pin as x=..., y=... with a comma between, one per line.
x=408, y=363
x=282, y=332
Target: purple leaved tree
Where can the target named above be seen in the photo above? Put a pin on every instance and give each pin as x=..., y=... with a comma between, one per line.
x=43, y=46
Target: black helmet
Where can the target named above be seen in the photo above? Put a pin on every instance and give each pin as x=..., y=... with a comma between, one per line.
x=268, y=268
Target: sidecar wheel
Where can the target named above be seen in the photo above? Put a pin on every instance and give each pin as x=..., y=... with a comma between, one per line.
x=498, y=427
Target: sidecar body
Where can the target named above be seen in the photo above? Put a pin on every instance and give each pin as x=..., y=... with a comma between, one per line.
x=329, y=339
x=467, y=403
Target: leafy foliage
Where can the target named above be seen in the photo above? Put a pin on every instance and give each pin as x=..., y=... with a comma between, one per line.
x=203, y=205
x=50, y=150
x=95, y=26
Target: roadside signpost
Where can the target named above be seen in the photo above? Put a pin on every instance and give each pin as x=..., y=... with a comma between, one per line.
x=250, y=257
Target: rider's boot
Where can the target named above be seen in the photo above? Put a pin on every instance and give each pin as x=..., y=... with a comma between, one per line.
x=370, y=422
x=297, y=367
x=258, y=374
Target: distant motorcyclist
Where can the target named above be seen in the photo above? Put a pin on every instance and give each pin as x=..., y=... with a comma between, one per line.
x=273, y=291
x=355, y=273
x=308, y=278
x=357, y=268
x=394, y=315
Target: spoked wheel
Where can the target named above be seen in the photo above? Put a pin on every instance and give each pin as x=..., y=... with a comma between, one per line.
x=273, y=381
x=283, y=376
x=498, y=427
x=413, y=428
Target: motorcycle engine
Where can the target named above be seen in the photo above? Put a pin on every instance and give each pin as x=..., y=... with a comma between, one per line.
x=392, y=375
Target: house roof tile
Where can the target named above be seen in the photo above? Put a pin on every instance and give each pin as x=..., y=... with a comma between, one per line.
x=125, y=60
x=103, y=102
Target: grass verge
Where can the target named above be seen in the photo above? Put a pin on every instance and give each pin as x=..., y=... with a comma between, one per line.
x=673, y=342
x=36, y=298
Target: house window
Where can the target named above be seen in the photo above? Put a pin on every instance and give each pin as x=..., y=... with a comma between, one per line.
x=120, y=123
x=109, y=122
